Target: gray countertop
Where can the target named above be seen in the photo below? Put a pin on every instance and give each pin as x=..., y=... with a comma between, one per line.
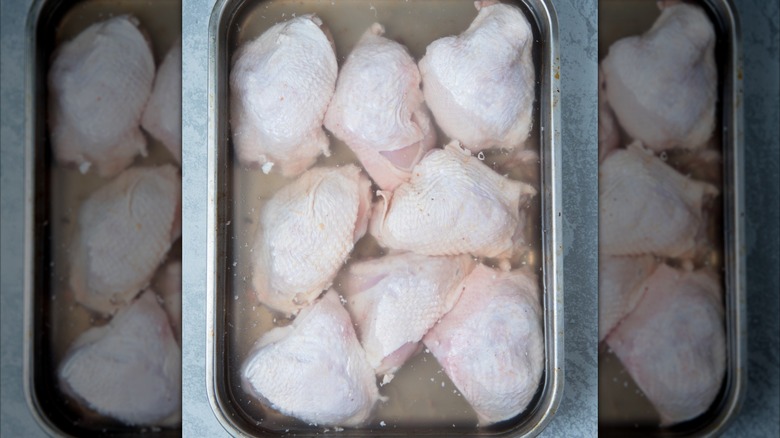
x=578, y=39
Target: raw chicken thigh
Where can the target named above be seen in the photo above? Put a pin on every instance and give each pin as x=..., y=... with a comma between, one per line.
x=315, y=369
x=306, y=232
x=387, y=126
x=673, y=344
x=480, y=84
x=280, y=87
x=168, y=285
x=125, y=229
x=130, y=369
x=98, y=86
x=619, y=291
x=454, y=204
x=395, y=299
x=162, y=116
x=646, y=207
x=491, y=343
x=662, y=85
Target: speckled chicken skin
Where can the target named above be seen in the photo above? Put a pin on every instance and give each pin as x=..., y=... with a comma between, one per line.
x=306, y=232
x=99, y=83
x=280, y=86
x=480, y=84
x=314, y=369
x=130, y=369
x=491, y=343
x=453, y=204
x=125, y=229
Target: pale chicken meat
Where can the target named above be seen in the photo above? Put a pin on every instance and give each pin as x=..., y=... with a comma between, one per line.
x=480, y=85
x=168, y=285
x=306, y=232
x=647, y=207
x=280, y=86
x=125, y=229
x=162, y=116
x=673, y=344
x=453, y=204
x=388, y=127
x=393, y=362
x=620, y=279
x=129, y=369
x=98, y=85
x=395, y=299
x=314, y=369
x=491, y=343
x=663, y=85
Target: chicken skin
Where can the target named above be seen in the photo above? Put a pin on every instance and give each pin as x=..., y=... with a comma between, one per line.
x=314, y=369
x=388, y=126
x=306, y=232
x=662, y=85
x=280, y=86
x=99, y=83
x=480, y=84
x=491, y=343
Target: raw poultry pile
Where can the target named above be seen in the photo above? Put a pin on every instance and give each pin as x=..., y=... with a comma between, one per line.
x=102, y=90
x=660, y=294
x=449, y=223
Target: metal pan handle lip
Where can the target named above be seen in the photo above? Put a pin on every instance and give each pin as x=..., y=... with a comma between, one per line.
x=552, y=211
x=734, y=213
x=30, y=93
x=216, y=39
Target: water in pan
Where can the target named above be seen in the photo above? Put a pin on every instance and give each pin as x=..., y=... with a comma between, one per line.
x=621, y=402
x=68, y=188
x=421, y=395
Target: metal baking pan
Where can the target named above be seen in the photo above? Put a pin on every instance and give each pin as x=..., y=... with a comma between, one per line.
x=53, y=193
x=623, y=410
x=235, y=193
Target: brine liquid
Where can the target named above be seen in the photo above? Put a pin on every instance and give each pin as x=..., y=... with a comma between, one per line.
x=621, y=402
x=68, y=189
x=421, y=395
